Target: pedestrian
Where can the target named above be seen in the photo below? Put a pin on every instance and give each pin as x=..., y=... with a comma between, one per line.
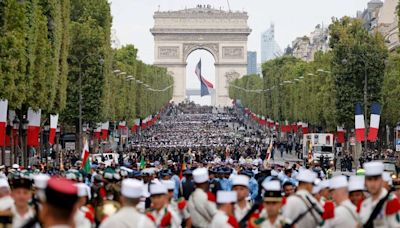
x=381, y=208
x=201, y=203
x=21, y=194
x=224, y=217
x=59, y=205
x=302, y=209
x=128, y=216
x=345, y=213
x=241, y=187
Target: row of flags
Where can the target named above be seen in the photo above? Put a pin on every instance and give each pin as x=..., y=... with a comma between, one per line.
x=33, y=130
x=286, y=127
x=374, y=122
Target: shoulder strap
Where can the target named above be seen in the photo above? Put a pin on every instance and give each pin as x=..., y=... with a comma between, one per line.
x=376, y=211
x=350, y=211
x=310, y=208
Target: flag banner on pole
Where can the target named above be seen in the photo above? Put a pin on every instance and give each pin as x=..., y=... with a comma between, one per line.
x=97, y=131
x=340, y=134
x=142, y=162
x=374, y=122
x=104, y=130
x=53, y=128
x=33, y=127
x=3, y=121
x=359, y=123
x=183, y=167
x=304, y=127
x=85, y=157
x=121, y=124
x=204, y=84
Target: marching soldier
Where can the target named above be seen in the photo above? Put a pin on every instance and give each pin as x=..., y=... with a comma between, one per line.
x=272, y=204
x=128, y=216
x=22, y=194
x=159, y=213
x=84, y=217
x=59, y=205
x=178, y=206
x=356, y=190
x=240, y=185
x=6, y=201
x=381, y=208
x=224, y=216
x=302, y=209
x=201, y=203
x=345, y=213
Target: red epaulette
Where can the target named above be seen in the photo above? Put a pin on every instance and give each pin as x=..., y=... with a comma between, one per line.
x=329, y=210
x=103, y=193
x=211, y=197
x=182, y=204
x=233, y=222
x=284, y=200
x=359, y=205
x=151, y=217
x=89, y=213
x=392, y=206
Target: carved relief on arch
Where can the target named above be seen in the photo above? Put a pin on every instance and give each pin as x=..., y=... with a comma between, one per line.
x=213, y=48
x=231, y=76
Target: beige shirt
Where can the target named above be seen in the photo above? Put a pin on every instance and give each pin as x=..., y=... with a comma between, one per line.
x=220, y=220
x=20, y=220
x=158, y=215
x=296, y=206
x=241, y=212
x=345, y=216
x=127, y=217
x=201, y=209
x=279, y=222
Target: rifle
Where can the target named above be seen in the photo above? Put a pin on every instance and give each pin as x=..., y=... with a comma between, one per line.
x=245, y=219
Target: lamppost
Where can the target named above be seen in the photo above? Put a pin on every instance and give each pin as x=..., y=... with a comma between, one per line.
x=21, y=128
x=80, y=61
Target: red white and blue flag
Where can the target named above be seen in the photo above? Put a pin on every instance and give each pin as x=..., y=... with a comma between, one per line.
x=3, y=121
x=374, y=124
x=340, y=134
x=33, y=127
x=53, y=128
x=204, y=84
x=359, y=123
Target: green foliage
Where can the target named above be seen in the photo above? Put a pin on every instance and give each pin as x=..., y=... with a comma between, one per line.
x=391, y=91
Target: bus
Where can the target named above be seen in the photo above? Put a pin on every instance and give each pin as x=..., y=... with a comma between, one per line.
x=316, y=145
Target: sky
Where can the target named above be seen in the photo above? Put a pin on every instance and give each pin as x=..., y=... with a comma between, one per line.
x=132, y=20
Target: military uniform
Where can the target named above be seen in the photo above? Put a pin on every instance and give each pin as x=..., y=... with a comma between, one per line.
x=279, y=222
x=389, y=216
x=222, y=220
x=241, y=212
x=164, y=218
x=345, y=215
x=180, y=208
x=127, y=217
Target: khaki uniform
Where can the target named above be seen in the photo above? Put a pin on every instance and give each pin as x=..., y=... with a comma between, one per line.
x=81, y=221
x=20, y=220
x=241, y=212
x=383, y=219
x=345, y=216
x=183, y=213
x=201, y=209
x=158, y=216
x=279, y=222
x=127, y=217
x=298, y=204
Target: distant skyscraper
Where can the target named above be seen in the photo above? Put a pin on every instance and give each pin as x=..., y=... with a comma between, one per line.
x=251, y=62
x=269, y=47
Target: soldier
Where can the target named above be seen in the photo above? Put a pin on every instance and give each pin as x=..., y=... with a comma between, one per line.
x=128, y=216
x=302, y=209
x=22, y=194
x=387, y=180
x=178, y=206
x=381, y=208
x=201, y=203
x=225, y=216
x=345, y=213
x=253, y=185
x=84, y=217
x=159, y=213
x=272, y=204
x=240, y=185
x=59, y=205
x=356, y=190
x=187, y=184
x=288, y=188
x=215, y=185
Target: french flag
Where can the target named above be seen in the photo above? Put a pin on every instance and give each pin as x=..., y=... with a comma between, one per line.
x=33, y=127
x=3, y=121
x=340, y=134
x=374, y=124
x=136, y=125
x=359, y=123
x=121, y=125
x=104, y=130
x=53, y=128
x=305, y=128
x=204, y=84
x=97, y=131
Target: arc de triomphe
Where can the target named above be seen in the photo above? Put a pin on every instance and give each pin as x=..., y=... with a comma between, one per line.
x=224, y=34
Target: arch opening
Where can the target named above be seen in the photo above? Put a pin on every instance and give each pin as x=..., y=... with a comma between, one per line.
x=208, y=72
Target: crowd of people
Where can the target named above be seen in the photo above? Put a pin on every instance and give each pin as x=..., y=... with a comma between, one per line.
x=198, y=167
